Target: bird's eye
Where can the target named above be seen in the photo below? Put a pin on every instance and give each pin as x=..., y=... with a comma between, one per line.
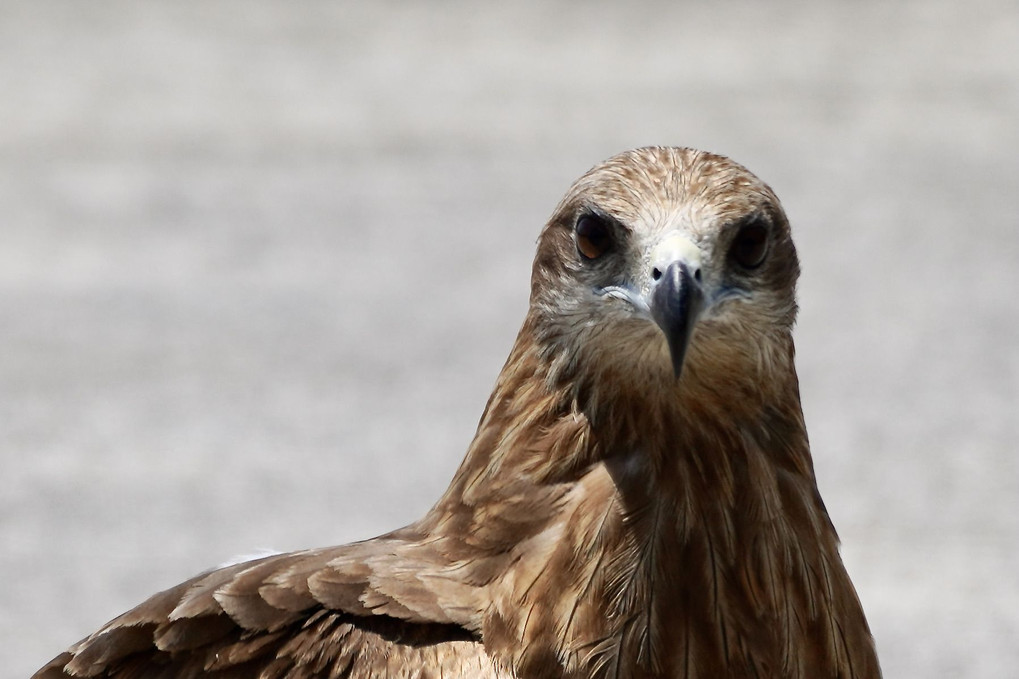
x=750, y=245
x=594, y=235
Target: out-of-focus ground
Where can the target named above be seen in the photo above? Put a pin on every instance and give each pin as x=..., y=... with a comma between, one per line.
x=260, y=264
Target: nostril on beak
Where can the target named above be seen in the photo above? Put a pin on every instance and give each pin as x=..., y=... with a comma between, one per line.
x=656, y=274
x=675, y=248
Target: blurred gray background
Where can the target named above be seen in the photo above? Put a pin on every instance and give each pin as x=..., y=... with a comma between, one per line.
x=260, y=264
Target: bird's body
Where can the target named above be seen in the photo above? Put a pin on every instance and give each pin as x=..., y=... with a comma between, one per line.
x=639, y=499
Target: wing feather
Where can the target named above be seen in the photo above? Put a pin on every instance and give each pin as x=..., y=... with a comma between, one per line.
x=290, y=614
x=190, y=633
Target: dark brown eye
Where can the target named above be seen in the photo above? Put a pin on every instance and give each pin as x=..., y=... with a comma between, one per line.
x=594, y=236
x=750, y=245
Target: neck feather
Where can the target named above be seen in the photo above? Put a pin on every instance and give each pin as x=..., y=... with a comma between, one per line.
x=637, y=537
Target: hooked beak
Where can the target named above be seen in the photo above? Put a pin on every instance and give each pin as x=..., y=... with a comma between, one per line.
x=676, y=298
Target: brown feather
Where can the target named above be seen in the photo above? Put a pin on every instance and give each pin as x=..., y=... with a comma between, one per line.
x=187, y=634
x=608, y=520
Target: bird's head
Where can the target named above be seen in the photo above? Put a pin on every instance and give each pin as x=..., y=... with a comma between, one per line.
x=669, y=268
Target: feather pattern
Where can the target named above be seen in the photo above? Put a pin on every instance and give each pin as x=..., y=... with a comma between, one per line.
x=608, y=520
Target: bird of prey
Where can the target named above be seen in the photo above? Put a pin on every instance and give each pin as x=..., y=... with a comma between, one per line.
x=639, y=499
